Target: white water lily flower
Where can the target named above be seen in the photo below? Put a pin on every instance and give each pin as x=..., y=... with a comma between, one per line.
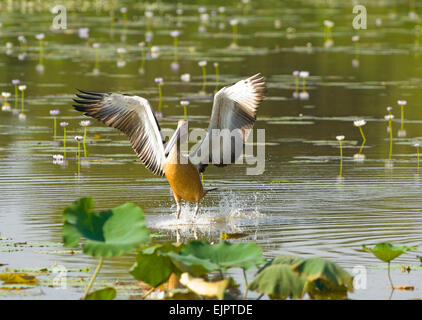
x=5, y=94
x=79, y=138
x=185, y=77
x=328, y=23
x=149, y=14
x=184, y=102
x=16, y=81
x=40, y=36
x=54, y=112
x=389, y=117
x=296, y=73
x=64, y=124
x=417, y=145
x=402, y=102
x=202, y=63
x=234, y=22
x=175, y=33
x=121, y=50
x=304, y=74
x=340, y=138
x=96, y=45
x=359, y=123
x=158, y=80
x=85, y=123
x=221, y=9
x=389, y=109
x=155, y=50
x=355, y=38
x=22, y=87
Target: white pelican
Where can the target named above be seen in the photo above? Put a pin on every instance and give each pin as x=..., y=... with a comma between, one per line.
x=234, y=108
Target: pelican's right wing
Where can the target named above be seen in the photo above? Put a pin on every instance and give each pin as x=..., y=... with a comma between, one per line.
x=133, y=116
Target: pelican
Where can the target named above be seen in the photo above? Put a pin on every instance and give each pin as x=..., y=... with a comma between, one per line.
x=234, y=108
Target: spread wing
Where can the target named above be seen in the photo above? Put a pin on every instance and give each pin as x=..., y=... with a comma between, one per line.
x=133, y=116
x=234, y=109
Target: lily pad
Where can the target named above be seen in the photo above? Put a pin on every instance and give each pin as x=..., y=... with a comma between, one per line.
x=279, y=281
x=108, y=234
x=155, y=256
x=316, y=269
x=102, y=294
x=202, y=257
x=386, y=251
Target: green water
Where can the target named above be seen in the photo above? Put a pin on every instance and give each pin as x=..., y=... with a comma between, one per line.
x=299, y=205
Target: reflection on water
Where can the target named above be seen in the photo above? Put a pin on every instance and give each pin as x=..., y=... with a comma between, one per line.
x=298, y=206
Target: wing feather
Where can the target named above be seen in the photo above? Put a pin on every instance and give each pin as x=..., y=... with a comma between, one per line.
x=133, y=116
x=234, y=108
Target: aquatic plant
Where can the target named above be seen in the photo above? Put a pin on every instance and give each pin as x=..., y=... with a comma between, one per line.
x=296, y=74
x=79, y=139
x=16, y=83
x=389, y=118
x=175, y=35
x=217, y=75
x=185, y=77
x=108, y=233
x=160, y=82
x=203, y=65
x=402, y=103
x=54, y=113
x=359, y=124
x=22, y=88
x=6, y=105
x=304, y=75
x=64, y=124
x=387, y=252
x=234, y=23
x=328, y=25
x=96, y=46
x=121, y=52
x=58, y=159
x=182, y=270
x=289, y=276
x=84, y=124
x=141, y=45
x=340, y=139
x=148, y=15
x=185, y=104
x=40, y=37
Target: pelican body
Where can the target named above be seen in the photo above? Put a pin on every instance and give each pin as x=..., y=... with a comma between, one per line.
x=234, y=108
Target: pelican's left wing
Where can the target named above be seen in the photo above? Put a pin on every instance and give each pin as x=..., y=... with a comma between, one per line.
x=134, y=117
x=234, y=108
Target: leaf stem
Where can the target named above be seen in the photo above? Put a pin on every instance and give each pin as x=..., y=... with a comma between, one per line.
x=389, y=276
x=91, y=281
x=148, y=293
x=246, y=284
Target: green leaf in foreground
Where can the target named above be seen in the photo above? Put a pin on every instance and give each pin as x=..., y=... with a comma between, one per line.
x=103, y=294
x=153, y=265
x=279, y=281
x=387, y=252
x=108, y=234
x=326, y=273
x=199, y=257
